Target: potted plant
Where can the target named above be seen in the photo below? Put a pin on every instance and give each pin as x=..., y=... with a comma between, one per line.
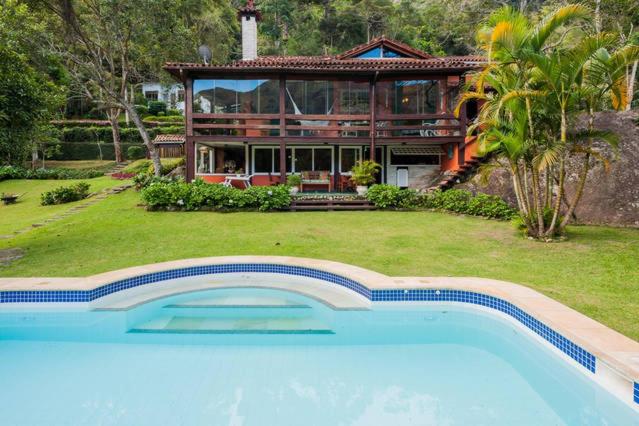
x=363, y=174
x=294, y=181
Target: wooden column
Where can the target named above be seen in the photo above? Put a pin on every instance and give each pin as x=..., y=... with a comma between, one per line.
x=282, y=129
x=188, y=141
x=461, y=147
x=373, y=124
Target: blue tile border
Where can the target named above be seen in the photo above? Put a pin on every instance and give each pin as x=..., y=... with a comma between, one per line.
x=636, y=392
x=571, y=349
x=576, y=352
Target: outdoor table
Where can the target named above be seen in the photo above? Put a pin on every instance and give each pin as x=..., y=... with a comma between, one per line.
x=245, y=179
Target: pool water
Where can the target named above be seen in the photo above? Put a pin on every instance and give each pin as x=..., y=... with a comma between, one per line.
x=267, y=357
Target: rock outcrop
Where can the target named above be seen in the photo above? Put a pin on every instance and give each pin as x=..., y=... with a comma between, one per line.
x=610, y=197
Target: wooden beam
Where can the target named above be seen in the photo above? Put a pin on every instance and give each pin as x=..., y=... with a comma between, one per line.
x=373, y=122
x=236, y=126
x=235, y=116
x=282, y=162
x=331, y=117
x=189, y=142
x=393, y=117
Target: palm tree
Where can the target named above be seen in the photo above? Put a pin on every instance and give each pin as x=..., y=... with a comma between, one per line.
x=538, y=84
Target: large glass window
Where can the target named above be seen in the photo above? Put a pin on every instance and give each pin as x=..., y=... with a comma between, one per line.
x=312, y=159
x=221, y=159
x=348, y=158
x=309, y=97
x=226, y=96
x=267, y=160
x=320, y=97
x=408, y=97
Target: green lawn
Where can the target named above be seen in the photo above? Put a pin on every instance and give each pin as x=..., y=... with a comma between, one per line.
x=596, y=271
x=28, y=210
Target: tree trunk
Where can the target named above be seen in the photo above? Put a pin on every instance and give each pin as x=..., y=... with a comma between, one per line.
x=631, y=85
x=114, y=114
x=155, y=155
x=34, y=156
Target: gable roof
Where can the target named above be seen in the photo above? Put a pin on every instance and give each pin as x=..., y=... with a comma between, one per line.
x=382, y=41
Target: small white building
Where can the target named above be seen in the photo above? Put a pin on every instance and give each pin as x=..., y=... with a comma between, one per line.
x=171, y=94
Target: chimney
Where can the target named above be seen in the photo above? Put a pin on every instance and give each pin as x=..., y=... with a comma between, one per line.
x=248, y=16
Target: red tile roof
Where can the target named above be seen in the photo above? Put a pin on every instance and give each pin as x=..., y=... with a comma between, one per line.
x=331, y=64
x=160, y=139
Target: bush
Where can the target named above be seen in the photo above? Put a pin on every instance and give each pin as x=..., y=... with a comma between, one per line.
x=134, y=152
x=139, y=166
x=174, y=112
x=164, y=119
x=177, y=195
x=454, y=200
x=142, y=110
x=12, y=172
x=294, y=180
x=462, y=201
x=168, y=165
x=65, y=194
x=155, y=107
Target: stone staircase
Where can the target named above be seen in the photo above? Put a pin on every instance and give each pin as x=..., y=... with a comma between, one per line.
x=117, y=169
x=460, y=175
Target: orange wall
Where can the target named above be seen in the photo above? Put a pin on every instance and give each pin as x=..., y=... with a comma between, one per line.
x=260, y=180
x=450, y=163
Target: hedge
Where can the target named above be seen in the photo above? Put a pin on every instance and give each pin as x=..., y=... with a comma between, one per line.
x=12, y=172
x=178, y=195
x=103, y=134
x=89, y=150
x=453, y=200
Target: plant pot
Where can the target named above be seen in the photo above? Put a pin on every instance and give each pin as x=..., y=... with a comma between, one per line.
x=361, y=190
x=294, y=190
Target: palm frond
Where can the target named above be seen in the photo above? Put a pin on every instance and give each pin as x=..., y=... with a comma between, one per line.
x=554, y=21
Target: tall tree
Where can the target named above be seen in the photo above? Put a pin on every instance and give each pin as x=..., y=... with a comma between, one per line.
x=110, y=44
x=30, y=83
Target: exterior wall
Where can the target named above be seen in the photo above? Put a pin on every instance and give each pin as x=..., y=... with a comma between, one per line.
x=165, y=93
x=418, y=176
x=450, y=163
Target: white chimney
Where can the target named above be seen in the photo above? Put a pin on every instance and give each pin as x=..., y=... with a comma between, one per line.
x=248, y=16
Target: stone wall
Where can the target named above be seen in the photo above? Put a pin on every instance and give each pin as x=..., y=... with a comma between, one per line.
x=609, y=197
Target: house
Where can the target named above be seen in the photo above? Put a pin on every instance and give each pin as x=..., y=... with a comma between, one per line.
x=171, y=94
x=275, y=115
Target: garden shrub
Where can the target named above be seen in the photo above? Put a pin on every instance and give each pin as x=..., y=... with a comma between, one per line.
x=142, y=110
x=168, y=165
x=177, y=195
x=454, y=200
x=65, y=194
x=138, y=166
x=14, y=172
x=155, y=107
x=134, y=152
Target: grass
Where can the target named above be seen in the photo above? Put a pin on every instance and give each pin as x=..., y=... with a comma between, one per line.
x=28, y=209
x=595, y=272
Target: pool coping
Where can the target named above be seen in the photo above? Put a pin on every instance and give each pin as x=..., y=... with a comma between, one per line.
x=616, y=351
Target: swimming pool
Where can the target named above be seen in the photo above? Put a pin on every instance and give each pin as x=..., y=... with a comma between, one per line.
x=256, y=356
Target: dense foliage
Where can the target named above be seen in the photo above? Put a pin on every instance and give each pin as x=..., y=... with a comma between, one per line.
x=65, y=194
x=16, y=172
x=28, y=91
x=453, y=200
x=178, y=195
x=537, y=86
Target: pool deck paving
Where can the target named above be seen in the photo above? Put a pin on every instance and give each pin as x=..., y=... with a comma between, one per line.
x=617, y=355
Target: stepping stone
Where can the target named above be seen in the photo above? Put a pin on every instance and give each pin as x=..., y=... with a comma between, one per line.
x=9, y=255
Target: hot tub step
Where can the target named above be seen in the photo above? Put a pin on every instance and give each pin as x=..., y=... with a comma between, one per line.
x=204, y=325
